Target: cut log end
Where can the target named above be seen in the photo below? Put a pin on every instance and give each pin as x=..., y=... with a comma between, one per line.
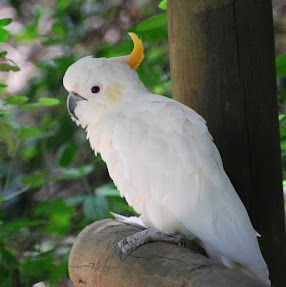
x=93, y=262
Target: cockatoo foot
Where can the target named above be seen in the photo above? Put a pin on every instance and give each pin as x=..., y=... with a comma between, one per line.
x=132, y=242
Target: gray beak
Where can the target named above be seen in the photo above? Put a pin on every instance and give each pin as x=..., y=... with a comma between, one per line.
x=72, y=100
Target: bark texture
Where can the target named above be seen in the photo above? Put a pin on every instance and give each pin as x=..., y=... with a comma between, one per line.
x=93, y=263
x=222, y=66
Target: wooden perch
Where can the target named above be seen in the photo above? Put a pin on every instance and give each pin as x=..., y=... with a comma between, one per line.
x=93, y=262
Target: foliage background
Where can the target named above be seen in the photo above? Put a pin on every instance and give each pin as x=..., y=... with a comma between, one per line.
x=51, y=184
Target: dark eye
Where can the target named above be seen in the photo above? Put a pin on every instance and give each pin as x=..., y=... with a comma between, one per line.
x=95, y=89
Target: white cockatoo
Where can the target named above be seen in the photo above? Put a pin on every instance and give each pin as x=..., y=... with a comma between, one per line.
x=162, y=158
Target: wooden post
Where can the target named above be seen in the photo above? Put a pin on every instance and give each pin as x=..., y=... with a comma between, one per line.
x=93, y=262
x=222, y=65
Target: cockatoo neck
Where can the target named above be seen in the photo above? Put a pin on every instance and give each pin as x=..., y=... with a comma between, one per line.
x=96, y=112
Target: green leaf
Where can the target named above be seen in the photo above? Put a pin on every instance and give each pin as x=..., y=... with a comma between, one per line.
x=29, y=153
x=3, y=86
x=76, y=173
x=30, y=107
x=75, y=200
x=35, y=180
x=109, y=51
x=67, y=154
x=95, y=207
x=4, y=34
x=283, y=145
x=14, y=225
x=282, y=118
x=28, y=132
x=152, y=22
x=8, y=136
x=16, y=100
x=7, y=257
x=49, y=102
x=120, y=206
x=59, y=30
x=107, y=190
x=30, y=32
x=163, y=5
x=3, y=54
x=281, y=66
x=5, y=21
x=7, y=68
x=60, y=272
x=153, y=36
x=59, y=219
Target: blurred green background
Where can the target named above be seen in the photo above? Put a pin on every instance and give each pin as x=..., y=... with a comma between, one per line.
x=51, y=184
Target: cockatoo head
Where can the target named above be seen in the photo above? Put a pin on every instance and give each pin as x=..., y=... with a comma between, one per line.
x=98, y=85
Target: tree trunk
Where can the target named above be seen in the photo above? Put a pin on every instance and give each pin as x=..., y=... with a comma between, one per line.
x=222, y=65
x=93, y=262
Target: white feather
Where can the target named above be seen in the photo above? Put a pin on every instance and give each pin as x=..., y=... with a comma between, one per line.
x=162, y=158
x=132, y=220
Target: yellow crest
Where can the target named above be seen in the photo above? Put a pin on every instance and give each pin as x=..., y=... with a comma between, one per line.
x=137, y=55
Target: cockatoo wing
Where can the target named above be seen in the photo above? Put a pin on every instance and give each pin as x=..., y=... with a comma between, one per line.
x=162, y=158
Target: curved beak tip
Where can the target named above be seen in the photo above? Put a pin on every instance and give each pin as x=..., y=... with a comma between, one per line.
x=72, y=102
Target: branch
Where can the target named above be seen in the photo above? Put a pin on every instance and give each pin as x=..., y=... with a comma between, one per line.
x=93, y=262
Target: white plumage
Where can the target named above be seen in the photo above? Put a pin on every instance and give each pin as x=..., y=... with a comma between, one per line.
x=162, y=158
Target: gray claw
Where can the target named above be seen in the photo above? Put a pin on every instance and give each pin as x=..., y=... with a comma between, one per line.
x=134, y=241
